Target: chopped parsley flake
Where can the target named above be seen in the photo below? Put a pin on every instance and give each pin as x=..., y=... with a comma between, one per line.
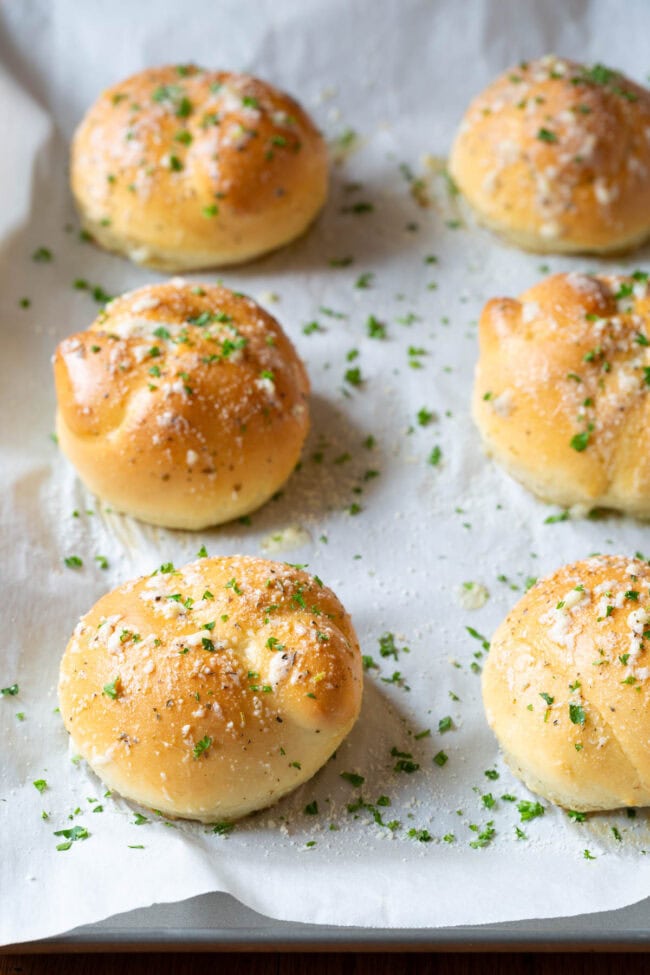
x=580, y=441
x=173, y=94
x=202, y=746
x=375, y=328
x=484, y=837
x=353, y=778
x=364, y=280
x=421, y=835
x=576, y=714
x=554, y=519
x=222, y=829
x=396, y=678
x=529, y=810
x=312, y=327
x=71, y=835
x=406, y=765
x=353, y=376
x=358, y=208
x=576, y=817
x=485, y=643
x=388, y=648
x=112, y=690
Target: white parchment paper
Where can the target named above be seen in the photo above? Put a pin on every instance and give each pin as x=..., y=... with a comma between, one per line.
x=398, y=74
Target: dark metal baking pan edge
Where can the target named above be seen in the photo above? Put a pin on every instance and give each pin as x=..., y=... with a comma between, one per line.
x=217, y=922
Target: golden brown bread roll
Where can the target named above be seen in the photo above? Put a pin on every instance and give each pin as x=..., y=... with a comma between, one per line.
x=555, y=156
x=182, y=405
x=180, y=168
x=561, y=389
x=213, y=690
x=566, y=687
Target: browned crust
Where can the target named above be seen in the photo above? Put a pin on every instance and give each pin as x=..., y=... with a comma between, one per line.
x=276, y=687
x=556, y=156
x=561, y=389
x=562, y=648
x=183, y=405
x=182, y=168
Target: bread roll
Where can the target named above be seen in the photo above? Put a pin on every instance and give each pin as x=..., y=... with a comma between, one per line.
x=561, y=389
x=182, y=405
x=566, y=687
x=555, y=156
x=181, y=168
x=211, y=691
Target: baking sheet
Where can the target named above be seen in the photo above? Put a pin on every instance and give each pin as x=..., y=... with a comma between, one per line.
x=398, y=75
x=218, y=922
